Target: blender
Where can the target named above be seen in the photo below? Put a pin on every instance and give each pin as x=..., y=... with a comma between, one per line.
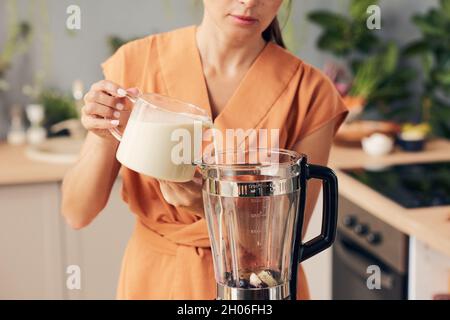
x=254, y=204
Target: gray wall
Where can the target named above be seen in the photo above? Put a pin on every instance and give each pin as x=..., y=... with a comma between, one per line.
x=78, y=55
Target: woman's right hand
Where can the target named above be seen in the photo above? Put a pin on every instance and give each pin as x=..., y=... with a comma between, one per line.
x=106, y=107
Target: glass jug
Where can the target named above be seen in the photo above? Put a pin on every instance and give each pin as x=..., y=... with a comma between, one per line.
x=254, y=204
x=162, y=138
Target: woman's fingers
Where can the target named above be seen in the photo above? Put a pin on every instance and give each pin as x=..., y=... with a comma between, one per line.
x=184, y=194
x=126, y=103
x=110, y=94
x=198, y=177
x=172, y=196
x=91, y=122
x=187, y=195
x=110, y=88
x=101, y=98
x=133, y=92
x=106, y=107
x=107, y=93
x=96, y=109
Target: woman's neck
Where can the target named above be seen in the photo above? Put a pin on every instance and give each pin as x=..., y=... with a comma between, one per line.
x=223, y=54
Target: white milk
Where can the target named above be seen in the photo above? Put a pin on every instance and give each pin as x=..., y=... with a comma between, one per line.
x=147, y=147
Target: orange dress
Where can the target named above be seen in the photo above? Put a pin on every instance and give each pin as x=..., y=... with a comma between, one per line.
x=169, y=255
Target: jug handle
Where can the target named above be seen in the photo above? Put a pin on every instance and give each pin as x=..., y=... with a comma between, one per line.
x=329, y=214
x=114, y=131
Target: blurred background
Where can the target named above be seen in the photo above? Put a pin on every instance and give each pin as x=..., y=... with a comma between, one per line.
x=392, y=155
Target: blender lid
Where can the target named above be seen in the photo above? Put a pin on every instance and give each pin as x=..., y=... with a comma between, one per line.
x=221, y=159
x=270, y=177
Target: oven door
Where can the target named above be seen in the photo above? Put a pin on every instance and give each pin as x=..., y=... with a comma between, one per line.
x=350, y=274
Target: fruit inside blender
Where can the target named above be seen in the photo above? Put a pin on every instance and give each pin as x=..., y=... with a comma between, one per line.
x=264, y=278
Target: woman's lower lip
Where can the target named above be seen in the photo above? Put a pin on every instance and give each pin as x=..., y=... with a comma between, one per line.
x=245, y=22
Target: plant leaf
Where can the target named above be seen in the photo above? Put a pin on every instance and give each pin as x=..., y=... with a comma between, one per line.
x=365, y=41
x=416, y=48
x=328, y=20
x=442, y=77
x=333, y=42
x=427, y=63
x=389, y=59
x=445, y=4
x=358, y=8
x=427, y=26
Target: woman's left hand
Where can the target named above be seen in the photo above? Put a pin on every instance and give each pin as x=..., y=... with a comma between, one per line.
x=185, y=194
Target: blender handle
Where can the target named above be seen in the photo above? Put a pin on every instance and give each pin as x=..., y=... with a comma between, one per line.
x=330, y=211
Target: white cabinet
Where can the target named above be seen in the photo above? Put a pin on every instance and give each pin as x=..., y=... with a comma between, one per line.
x=30, y=242
x=98, y=250
x=318, y=268
x=429, y=272
x=36, y=246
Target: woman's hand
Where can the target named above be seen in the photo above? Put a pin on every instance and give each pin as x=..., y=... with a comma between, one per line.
x=187, y=194
x=105, y=108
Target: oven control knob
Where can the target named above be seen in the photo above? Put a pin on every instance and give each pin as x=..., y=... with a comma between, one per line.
x=373, y=238
x=361, y=229
x=349, y=221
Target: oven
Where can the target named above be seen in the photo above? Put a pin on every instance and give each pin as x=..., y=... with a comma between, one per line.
x=369, y=257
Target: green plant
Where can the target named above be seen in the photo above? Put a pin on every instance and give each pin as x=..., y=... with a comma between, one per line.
x=58, y=107
x=17, y=41
x=375, y=65
x=433, y=48
x=345, y=35
x=371, y=71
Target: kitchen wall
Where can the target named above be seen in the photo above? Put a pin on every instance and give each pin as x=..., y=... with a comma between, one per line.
x=68, y=56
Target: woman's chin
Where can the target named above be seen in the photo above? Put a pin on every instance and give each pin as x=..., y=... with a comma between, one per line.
x=239, y=34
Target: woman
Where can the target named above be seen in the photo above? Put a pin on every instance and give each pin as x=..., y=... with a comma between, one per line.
x=234, y=66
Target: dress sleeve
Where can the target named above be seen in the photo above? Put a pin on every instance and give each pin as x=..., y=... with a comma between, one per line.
x=322, y=102
x=114, y=67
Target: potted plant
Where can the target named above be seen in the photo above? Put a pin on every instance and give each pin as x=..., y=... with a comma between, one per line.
x=18, y=38
x=17, y=42
x=373, y=83
x=377, y=82
x=433, y=49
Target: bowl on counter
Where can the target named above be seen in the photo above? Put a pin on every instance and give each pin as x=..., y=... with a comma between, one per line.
x=411, y=143
x=413, y=137
x=378, y=144
x=352, y=134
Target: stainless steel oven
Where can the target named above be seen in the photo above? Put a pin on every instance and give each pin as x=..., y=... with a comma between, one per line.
x=369, y=257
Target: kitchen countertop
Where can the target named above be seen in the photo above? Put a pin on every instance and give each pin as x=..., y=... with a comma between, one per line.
x=429, y=225
x=17, y=168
